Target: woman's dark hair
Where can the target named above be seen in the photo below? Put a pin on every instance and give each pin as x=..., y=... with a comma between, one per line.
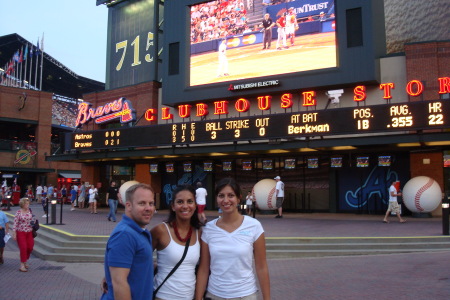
x=230, y=182
x=195, y=222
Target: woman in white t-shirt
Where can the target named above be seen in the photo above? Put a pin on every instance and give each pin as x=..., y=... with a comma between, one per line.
x=92, y=200
x=169, y=239
x=228, y=246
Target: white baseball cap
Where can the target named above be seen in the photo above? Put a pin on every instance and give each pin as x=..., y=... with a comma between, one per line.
x=278, y=177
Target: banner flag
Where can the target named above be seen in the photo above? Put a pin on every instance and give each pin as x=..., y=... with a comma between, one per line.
x=21, y=55
x=16, y=56
x=42, y=60
x=31, y=64
x=20, y=79
x=25, y=53
x=36, y=52
x=26, y=65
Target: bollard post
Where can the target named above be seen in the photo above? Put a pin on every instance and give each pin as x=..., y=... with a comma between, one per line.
x=445, y=218
x=53, y=212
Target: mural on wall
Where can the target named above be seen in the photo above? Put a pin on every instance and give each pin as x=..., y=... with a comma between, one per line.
x=367, y=188
x=375, y=185
x=26, y=153
x=172, y=180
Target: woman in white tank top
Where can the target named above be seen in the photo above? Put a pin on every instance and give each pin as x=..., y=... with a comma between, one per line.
x=169, y=239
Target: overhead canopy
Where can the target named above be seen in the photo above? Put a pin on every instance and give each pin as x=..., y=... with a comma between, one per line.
x=70, y=175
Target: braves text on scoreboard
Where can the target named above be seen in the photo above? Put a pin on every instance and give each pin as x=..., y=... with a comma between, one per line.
x=355, y=120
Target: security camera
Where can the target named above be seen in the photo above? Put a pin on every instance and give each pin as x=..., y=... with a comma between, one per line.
x=334, y=95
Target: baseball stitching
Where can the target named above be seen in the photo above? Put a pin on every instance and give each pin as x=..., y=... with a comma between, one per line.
x=420, y=192
x=269, y=203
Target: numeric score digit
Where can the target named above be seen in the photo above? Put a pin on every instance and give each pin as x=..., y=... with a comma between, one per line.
x=437, y=119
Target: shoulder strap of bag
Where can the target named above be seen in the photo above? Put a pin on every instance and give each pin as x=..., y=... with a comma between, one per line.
x=175, y=267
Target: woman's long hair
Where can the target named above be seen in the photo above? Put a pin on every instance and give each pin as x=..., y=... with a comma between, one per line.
x=231, y=183
x=195, y=222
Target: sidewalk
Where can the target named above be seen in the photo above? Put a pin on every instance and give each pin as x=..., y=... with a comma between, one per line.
x=81, y=222
x=395, y=276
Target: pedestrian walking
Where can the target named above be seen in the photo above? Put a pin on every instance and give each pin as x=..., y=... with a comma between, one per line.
x=393, y=204
x=112, y=201
x=279, y=193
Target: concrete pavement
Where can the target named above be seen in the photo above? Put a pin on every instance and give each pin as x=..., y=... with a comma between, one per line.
x=395, y=276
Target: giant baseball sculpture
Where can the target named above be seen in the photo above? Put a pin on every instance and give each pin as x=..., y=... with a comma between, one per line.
x=264, y=194
x=124, y=187
x=422, y=194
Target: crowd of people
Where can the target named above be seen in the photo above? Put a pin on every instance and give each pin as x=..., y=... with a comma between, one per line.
x=78, y=195
x=218, y=19
x=274, y=2
x=64, y=113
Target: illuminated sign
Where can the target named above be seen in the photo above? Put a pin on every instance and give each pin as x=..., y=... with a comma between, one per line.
x=362, y=162
x=267, y=164
x=420, y=115
x=289, y=163
x=265, y=102
x=247, y=165
x=223, y=48
x=313, y=163
x=227, y=166
x=121, y=109
x=208, y=166
x=336, y=162
x=252, y=85
x=384, y=161
x=187, y=167
x=154, y=168
x=170, y=167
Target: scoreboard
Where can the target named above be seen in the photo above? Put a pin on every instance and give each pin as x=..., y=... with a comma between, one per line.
x=132, y=46
x=350, y=120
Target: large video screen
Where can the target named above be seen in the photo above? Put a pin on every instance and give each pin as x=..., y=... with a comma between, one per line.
x=335, y=43
x=230, y=41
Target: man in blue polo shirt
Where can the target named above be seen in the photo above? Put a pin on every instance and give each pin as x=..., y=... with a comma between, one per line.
x=128, y=257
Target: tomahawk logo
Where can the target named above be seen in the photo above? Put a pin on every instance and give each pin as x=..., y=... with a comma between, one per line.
x=375, y=184
x=121, y=109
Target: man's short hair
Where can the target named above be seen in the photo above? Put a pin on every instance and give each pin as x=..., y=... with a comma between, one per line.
x=132, y=189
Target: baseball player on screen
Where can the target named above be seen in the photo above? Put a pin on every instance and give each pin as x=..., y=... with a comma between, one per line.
x=281, y=24
x=291, y=25
x=223, y=60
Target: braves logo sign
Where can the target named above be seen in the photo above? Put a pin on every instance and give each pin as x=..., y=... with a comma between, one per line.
x=118, y=109
x=373, y=185
x=24, y=156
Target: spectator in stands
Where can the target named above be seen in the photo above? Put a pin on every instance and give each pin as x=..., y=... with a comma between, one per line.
x=217, y=19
